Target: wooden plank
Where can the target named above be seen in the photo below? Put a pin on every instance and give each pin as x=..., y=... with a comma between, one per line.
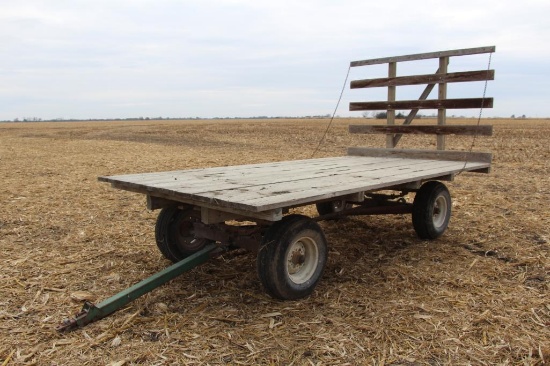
x=422, y=154
x=260, y=198
x=481, y=130
x=241, y=210
x=253, y=182
x=424, y=56
x=462, y=103
x=390, y=114
x=212, y=177
x=198, y=176
x=453, y=77
x=289, y=194
x=336, y=188
x=442, y=95
x=287, y=191
x=246, y=183
x=234, y=170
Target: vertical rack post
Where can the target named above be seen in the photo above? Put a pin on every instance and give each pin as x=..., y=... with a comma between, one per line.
x=392, y=72
x=441, y=112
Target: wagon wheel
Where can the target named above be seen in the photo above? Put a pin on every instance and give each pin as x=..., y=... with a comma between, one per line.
x=174, y=233
x=325, y=208
x=292, y=257
x=431, y=210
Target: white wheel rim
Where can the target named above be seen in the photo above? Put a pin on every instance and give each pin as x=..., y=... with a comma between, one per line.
x=302, y=259
x=439, y=211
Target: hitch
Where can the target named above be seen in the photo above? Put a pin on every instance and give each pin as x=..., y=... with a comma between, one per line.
x=91, y=312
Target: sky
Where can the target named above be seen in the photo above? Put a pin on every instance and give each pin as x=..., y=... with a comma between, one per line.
x=242, y=58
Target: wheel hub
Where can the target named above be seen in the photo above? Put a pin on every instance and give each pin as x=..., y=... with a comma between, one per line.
x=302, y=260
x=439, y=211
x=296, y=258
x=186, y=236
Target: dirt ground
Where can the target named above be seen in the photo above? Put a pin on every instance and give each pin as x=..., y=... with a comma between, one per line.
x=478, y=295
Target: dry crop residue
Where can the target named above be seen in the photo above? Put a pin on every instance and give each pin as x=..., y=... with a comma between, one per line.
x=478, y=295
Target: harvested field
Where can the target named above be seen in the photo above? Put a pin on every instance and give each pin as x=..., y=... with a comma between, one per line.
x=478, y=295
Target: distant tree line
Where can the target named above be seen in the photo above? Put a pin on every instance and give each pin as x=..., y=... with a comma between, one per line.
x=375, y=115
x=28, y=119
x=36, y=119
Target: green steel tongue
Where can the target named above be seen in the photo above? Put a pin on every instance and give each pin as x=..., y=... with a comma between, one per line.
x=91, y=312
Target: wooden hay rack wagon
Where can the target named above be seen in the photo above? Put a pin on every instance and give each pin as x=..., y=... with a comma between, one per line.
x=199, y=206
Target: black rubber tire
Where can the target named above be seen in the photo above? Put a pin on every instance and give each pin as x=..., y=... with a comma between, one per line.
x=174, y=233
x=325, y=208
x=292, y=257
x=431, y=210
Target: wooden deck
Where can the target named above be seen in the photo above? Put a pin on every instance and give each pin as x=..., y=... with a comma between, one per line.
x=263, y=187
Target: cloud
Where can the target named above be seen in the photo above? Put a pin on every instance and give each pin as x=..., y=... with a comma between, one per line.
x=176, y=58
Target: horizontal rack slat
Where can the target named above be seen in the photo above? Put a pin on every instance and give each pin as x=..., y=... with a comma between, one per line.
x=423, y=104
x=454, y=77
x=424, y=56
x=481, y=130
x=479, y=157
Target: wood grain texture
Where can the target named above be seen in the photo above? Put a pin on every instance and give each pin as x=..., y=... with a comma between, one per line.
x=263, y=190
x=449, y=155
x=424, y=56
x=461, y=103
x=442, y=95
x=481, y=130
x=453, y=77
x=390, y=114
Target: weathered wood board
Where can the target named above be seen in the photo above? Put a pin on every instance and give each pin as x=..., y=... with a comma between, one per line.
x=261, y=187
